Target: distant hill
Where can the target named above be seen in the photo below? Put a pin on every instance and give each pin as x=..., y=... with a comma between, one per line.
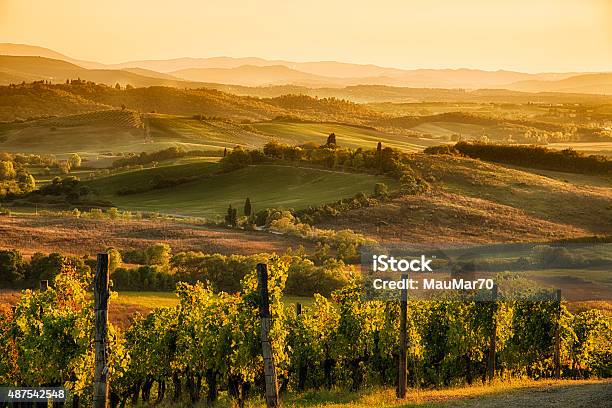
x=588, y=83
x=32, y=50
x=151, y=74
x=26, y=102
x=234, y=71
x=15, y=69
x=360, y=83
x=39, y=100
x=251, y=75
x=394, y=94
x=177, y=64
x=352, y=74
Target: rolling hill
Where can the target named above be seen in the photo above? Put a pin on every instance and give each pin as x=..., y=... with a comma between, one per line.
x=266, y=185
x=295, y=133
x=24, y=102
x=473, y=201
x=20, y=102
x=15, y=69
x=89, y=134
x=33, y=50
x=124, y=132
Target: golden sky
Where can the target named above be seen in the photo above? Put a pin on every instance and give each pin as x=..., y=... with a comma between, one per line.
x=525, y=35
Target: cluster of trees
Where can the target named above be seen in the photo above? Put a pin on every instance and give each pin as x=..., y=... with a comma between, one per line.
x=16, y=272
x=135, y=159
x=161, y=270
x=69, y=190
x=232, y=219
x=38, y=160
x=567, y=160
x=329, y=106
x=15, y=180
x=312, y=214
x=342, y=245
x=210, y=342
x=45, y=161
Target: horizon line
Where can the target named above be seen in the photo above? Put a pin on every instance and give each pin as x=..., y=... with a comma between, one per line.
x=459, y=68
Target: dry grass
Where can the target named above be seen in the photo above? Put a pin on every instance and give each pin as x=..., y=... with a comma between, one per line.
x=31, y=234
x=442, y=217
x=518, y=393
x=569, y=202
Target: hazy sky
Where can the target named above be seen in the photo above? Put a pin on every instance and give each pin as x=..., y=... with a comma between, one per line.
x=526, y=35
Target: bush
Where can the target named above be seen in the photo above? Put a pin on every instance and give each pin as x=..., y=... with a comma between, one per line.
x=142, y=278
x=12, y=267
x=381, y=190
x=158, y=254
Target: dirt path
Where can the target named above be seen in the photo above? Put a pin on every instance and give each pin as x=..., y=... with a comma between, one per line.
x=573, y=395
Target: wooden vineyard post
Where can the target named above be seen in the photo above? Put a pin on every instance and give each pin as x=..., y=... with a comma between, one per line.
x=266, y=346
x=101, y=295
x=557, y=356
x=493, y=339
x=298, y=309
x=44, y=285
x=403, y=361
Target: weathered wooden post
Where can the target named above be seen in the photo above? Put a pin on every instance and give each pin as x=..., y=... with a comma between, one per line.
x=403, y=362
x=101, y=295
x=557, y=356
x=44, y=285
x=493, y=339
x=298, y=309
x=266, y=347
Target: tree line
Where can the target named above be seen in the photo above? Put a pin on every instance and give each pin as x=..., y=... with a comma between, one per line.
x=160, y=270
x=567, y=160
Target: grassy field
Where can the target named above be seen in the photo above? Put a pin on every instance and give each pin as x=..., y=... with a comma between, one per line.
x=98, y=136
x=89, y=134
x=108, y=185
x=352, y=136
x=266, y=185
x=206, y=134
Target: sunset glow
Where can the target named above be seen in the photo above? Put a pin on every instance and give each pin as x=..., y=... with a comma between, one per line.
x=524, y=35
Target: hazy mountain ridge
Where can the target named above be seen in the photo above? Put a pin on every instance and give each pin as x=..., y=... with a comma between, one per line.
x=599, y=83
x=251, y=75
x=252, y=71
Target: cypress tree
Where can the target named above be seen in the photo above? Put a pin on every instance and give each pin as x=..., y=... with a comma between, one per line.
x=232, y=216
x=247, y=207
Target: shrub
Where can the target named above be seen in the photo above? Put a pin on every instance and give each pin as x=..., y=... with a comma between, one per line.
x=158, y=254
